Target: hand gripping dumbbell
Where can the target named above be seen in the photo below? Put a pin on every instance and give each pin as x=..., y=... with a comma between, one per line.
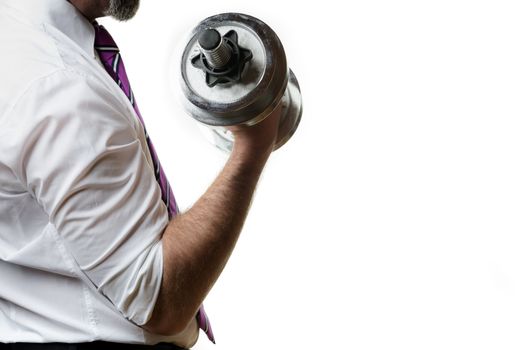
x=233, y=71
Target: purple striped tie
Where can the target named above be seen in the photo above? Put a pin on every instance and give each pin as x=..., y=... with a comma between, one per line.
x=109, y=54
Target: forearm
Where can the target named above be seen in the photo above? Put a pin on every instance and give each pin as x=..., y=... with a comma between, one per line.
x=198, y=243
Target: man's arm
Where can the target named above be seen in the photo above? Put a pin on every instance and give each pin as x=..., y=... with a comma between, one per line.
x=198, y=243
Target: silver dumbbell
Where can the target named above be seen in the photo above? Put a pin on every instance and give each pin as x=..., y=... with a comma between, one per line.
x=233, y=71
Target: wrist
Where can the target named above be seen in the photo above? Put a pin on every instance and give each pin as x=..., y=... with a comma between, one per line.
x=253, y=157
x=258, y=147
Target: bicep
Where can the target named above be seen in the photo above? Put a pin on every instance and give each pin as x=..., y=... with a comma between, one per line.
x=83, y=161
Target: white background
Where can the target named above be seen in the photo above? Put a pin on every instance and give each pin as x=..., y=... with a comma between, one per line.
x=394, y=218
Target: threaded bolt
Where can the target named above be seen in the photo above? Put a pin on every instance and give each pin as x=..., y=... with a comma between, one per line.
x=214, y=48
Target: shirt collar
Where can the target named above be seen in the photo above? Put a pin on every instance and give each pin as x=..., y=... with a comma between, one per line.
x=60, y=14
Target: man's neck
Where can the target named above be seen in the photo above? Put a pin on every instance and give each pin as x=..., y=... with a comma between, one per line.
x=91, y=9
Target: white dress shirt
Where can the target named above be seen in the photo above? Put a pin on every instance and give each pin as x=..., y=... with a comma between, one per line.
x=81, y=214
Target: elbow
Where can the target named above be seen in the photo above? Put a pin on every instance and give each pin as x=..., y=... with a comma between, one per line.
x=167, y=325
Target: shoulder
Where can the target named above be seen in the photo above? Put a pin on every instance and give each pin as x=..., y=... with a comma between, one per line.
x=30, y=55
x=39, y=55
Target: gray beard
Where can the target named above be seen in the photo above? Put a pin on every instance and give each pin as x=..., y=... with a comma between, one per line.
x=122, y=10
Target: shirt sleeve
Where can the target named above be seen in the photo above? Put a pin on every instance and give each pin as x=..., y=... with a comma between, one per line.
x=76, y=148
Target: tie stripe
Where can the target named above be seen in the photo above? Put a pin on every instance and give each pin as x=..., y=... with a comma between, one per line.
x=110, y=56
x=157, y=171
x=115, y=63
x=106, y=48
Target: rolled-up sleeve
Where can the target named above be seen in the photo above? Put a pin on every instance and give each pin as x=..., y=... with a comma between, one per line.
x=77, y=150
